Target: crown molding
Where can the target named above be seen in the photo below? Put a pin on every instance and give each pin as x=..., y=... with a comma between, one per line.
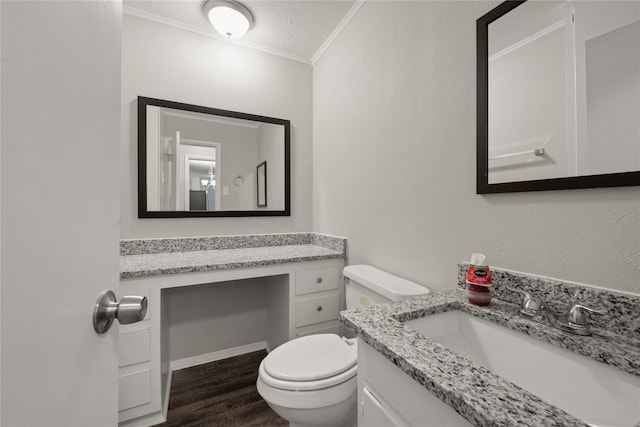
x=194, y=29
x=336, y=32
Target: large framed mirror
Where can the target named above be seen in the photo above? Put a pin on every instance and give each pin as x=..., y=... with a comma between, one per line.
x=558, y=96
x=196, y=161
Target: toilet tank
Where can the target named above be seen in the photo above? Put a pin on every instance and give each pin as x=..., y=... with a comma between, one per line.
x=367, y=285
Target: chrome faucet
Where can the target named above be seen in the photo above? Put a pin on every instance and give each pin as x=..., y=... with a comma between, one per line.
x=573, y=321
x=531, y=307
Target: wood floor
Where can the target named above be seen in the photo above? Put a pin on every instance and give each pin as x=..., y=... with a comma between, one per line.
x=221, y=393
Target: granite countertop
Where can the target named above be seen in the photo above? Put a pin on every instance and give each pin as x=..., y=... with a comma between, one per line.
x=156, y=264
x=480, y=396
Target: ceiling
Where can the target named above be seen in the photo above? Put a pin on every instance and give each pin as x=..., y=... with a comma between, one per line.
x=297, y=29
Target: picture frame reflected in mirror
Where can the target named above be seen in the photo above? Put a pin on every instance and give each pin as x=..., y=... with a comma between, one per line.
x=261, y=184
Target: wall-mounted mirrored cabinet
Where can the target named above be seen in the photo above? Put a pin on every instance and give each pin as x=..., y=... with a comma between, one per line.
x=196, y=161
x=558, y=96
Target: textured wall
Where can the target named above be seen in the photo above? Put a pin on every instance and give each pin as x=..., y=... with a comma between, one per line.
x=163, y=62
x=394, y=162
x=215, y=317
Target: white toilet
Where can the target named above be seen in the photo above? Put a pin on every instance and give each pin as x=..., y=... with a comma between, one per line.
x=311, y=380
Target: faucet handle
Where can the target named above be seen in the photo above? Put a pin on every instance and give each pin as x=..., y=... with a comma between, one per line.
x=530, y=305
x=577, y=317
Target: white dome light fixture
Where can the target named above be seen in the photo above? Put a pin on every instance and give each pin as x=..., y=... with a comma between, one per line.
x=228, y=17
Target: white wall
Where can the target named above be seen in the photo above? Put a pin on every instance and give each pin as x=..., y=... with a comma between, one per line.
x=394, y=162
x=607, y=96
x=163, y=62
x=613, y=100
x=271, y=150
x=215, y=317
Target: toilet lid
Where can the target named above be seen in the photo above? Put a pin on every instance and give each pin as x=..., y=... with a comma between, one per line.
x=309, y=358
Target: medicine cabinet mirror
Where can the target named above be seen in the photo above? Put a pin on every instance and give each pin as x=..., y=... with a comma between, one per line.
x=558, y=96
x=196, y=161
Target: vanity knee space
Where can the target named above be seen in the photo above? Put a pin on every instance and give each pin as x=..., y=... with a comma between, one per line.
x=276, y=303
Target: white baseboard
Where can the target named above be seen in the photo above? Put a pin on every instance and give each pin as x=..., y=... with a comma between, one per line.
x=216, y=355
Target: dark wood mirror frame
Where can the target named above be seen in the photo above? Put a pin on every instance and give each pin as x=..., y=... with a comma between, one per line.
x=622, y=179
x=142, y=165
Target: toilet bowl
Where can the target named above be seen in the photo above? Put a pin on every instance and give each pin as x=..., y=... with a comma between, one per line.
x=311, y=380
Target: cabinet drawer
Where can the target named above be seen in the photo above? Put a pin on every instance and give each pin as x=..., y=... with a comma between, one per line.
x=309, y=281
x=134, y=346
x=316, y=310
x=134, y=389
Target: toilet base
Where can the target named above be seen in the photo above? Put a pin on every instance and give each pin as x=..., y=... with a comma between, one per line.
x=342, y=414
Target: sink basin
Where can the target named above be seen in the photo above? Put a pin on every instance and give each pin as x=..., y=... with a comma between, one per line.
x=593, y=392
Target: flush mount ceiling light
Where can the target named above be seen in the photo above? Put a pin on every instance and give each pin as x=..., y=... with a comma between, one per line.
x=228, y=17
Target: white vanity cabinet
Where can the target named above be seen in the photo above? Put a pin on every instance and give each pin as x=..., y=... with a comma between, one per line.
x=302, y=298
x=389, y=397
x=318, y=300
x=139, y=379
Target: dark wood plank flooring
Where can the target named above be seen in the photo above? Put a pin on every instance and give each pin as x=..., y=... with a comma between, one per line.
x=221, y=393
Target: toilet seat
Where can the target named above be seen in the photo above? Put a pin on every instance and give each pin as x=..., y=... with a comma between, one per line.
x=313, y=362
x=306, y=385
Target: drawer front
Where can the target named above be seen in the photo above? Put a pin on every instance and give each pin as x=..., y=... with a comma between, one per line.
x=134, y=389
x=316, y=310
x=309, y=281
x=134, y=346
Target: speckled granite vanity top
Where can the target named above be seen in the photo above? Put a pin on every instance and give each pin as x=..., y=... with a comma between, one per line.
x=479, y=395
x=154, y=257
